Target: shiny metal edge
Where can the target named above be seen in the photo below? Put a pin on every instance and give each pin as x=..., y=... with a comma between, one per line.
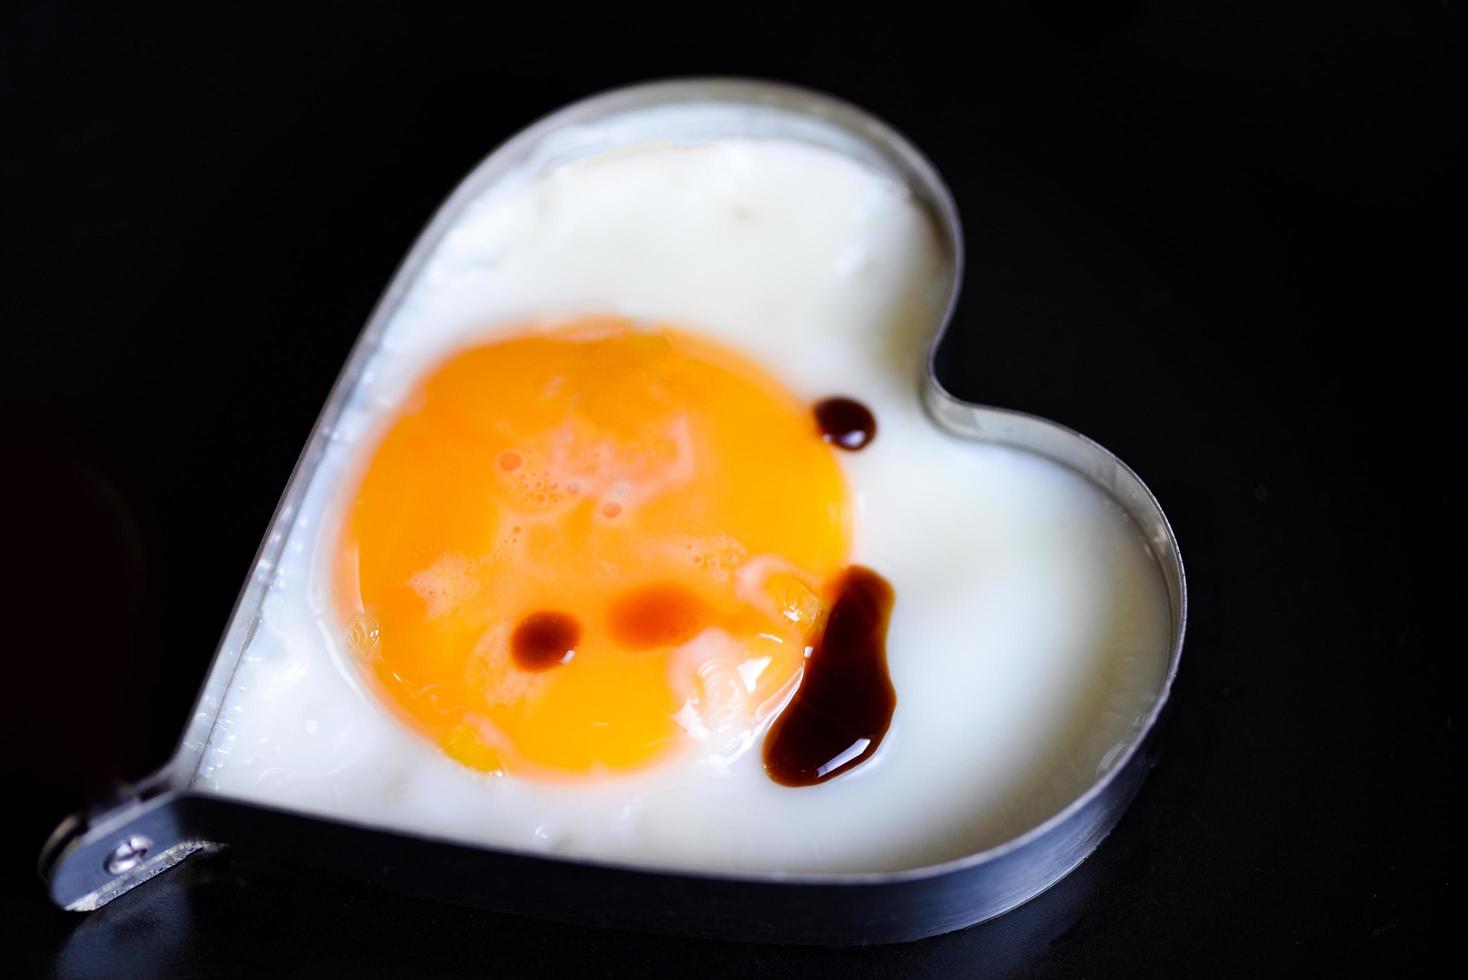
x=70, y=864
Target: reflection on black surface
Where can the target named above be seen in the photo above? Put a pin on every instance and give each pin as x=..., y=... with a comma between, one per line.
x=253, y=916
x=147, y=932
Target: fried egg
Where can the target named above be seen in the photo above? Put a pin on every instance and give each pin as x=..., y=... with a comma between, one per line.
x=578, y=533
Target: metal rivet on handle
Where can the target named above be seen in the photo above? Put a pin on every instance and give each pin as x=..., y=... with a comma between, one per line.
x=128, y=855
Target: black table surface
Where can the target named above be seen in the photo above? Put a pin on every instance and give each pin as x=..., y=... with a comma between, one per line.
x=1215, y=237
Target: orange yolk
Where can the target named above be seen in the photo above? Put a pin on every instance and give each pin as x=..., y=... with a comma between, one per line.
x=579, y=548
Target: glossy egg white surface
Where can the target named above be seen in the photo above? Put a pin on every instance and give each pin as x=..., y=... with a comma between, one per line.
x=1030, y=631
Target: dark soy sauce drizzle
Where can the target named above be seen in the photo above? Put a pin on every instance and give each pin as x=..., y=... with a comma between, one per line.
x=656, y=615
x=844, y=704
x=544, y=640
x=846, y=423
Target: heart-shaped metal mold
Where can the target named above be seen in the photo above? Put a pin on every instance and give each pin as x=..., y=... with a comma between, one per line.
x=95, y=856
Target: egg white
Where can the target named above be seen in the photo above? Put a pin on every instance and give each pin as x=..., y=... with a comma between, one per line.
x=1030, y=630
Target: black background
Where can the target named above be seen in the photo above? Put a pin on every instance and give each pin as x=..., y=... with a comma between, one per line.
x=1215, y=237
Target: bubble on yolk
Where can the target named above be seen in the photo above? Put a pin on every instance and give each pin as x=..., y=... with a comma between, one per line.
x=585, y=547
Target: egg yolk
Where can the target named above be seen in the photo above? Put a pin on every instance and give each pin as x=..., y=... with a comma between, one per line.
x=591, y=545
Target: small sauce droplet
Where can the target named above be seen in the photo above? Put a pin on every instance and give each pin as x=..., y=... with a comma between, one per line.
x=611, y=508
x=509, y=462
x=843, y=707
x=657, y=616
x=846, y=423
x=544, y=640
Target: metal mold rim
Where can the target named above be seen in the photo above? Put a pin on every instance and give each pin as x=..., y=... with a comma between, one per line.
x=83, y=836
